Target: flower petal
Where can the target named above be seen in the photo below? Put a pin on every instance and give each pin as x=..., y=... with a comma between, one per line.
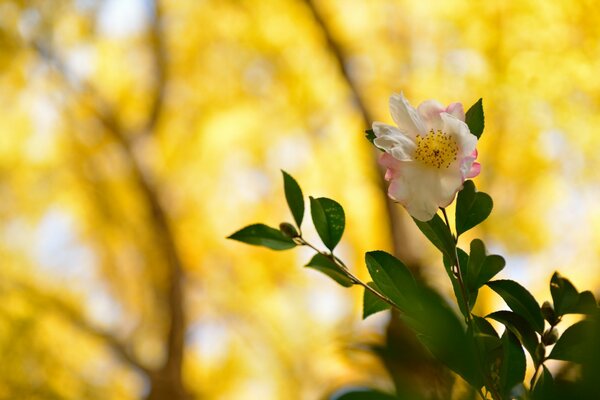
x=412, y=187
x=393, y=141
x=468, y=167
x=456, y=110
x=474, y=171
x=450, y=182
x=460, y=131
x=429, y=111
x=405, y=116
x=393, y=166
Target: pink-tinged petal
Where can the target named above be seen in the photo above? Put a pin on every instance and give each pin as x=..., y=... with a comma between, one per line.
x=456, y=110
x=475, y=170
x=398, y=191
x=405, y=116
x=474, y=154
x=387, y=161
x=389, y=175
x=430, y=111
x=391, y=164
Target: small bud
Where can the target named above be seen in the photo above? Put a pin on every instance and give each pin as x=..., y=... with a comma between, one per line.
x=288, y=230
x=549, y=314
x=540, y=351
x=550, y=336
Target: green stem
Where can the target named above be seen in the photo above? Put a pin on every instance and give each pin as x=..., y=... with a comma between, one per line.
x=463, y=291
x=458, y=270
x=354, y=279
x=541, y=363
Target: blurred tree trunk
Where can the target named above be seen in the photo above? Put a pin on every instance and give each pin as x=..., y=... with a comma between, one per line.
x=165, y=380
x=410, y=365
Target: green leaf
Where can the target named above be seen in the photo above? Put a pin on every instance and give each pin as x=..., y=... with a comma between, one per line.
x=363, y=394
x=477, y=257
x=520, y=301
x=427, y=313
x=471, y=294
x=586, y=304
x=574, y=344
x=472, y=207
x=513, y=367
x=370, y=135
x=564, y=294
x=325, y=265
x=329, y=220
x=482, y=267
x=438, y=234
x=371, y=303
x=491, y=266
x=293, y=195
x=393, y=279
x=567, y=300
x=263, y=235
x=443, y=334
x=474, y=118
x=543, y=388
x=519, y=327
x=483, y=326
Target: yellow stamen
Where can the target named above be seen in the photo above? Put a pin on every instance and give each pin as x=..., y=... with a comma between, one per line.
x=436, y=149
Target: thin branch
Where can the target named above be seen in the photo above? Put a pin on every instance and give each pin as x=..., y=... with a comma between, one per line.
x=159, y=219
x=157, y=46
x=350, y=275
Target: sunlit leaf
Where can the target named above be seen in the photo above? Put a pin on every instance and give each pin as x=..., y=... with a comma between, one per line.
x=474, y=118
x=393, y=279
x=371, y=303
x=325, y=265
x=293, y=195
x=263, y=235
x=329, y=220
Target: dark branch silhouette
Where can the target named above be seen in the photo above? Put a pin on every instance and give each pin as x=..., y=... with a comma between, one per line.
x=398, y=231
x=166, y=382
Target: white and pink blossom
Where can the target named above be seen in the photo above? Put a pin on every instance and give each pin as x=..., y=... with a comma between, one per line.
x=428, y=155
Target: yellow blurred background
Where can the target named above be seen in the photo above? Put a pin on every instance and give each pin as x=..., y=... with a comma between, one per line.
x=135, y=135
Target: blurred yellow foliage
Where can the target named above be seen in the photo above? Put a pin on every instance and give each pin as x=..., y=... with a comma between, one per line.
x=136, y=136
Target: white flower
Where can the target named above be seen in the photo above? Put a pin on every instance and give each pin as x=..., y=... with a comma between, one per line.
x=428, y=155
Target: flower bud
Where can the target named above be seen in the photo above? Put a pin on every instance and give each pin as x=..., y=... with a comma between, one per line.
x=540, y=351
x=550, y=336
x=549, y=314
x=288, y=230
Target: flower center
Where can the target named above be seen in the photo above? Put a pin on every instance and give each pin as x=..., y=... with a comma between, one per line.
x=436, y=149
